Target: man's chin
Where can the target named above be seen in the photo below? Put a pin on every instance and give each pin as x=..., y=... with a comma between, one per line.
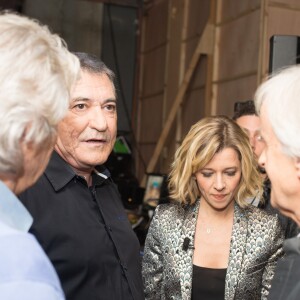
x=92, y=160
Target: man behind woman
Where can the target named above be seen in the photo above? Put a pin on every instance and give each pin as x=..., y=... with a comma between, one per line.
x=210, y=243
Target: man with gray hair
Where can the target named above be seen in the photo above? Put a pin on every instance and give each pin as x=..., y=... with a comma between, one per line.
x=80, y=220
x=246, y=117
x=277, y=102
x=36, y=75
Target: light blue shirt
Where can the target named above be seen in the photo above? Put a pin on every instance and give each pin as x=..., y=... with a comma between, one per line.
x=26, y=273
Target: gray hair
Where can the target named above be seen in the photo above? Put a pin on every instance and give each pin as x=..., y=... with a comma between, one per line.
x=93, y=64
x=280, y=95
x=36, y=75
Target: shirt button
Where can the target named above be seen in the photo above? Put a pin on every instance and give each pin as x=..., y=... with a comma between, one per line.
x=123, y=265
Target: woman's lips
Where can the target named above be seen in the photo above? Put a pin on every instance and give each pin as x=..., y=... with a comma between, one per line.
x=219, y=196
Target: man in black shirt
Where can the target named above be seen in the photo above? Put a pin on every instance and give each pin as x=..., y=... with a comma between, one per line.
x=78, y=216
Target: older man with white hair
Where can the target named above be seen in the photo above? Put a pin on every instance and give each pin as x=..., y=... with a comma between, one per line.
x=278, y=104
x=36, y=75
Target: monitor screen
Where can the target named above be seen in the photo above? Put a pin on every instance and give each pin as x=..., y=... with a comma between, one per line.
x=153, y=189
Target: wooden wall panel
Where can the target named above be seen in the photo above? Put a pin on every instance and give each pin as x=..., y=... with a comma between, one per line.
x=198, y=78
x=168, y=152
x=172, y=67
x=145, y=152
x=151, y=119
x=231, y=9
x=241, y=56
x=240, y=89
x=154, y=72
x=292, y=4
x=281, y=21
x=198, y=13
x=239, y=44
x=193, y=110
x=153, y=76
x=156, y=20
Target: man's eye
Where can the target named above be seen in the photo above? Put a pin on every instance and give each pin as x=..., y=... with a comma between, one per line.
x=110, y=107
x=80, y=106
x=259, y=138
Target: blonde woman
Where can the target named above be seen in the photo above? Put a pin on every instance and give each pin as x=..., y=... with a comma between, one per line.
x=209, y=243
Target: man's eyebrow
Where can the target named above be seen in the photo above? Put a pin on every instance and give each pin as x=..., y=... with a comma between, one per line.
x=80, y=99
x=83, y=99
x=110, y=100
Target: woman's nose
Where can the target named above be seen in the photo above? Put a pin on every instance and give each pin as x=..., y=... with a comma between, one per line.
x=219, y=183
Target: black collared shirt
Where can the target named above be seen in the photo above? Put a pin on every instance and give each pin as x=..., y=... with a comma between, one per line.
x=86, y=233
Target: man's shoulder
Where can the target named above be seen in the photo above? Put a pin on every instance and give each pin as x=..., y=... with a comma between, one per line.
x=20, y=248
x=285, y=284
x=292, y=248
x=41, y=190
x=24, y=265
x=21, y=257
x=56, y=176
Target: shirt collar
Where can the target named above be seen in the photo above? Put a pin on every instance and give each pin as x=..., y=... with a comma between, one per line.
x=12, y=211
x=60, y=173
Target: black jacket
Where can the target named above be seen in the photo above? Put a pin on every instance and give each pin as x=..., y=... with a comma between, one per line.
x=286, y=282
x=86, y=233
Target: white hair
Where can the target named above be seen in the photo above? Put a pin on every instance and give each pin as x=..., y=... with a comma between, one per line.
x=36, y=75
x=280, y=95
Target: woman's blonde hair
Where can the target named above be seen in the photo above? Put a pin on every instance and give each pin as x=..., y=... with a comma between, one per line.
x=206, y=138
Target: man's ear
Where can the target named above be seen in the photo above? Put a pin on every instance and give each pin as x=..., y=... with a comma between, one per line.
x=297, y=165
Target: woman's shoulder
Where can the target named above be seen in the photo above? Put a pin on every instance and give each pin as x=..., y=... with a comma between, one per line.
x=174, y=210
x=258, y=215
x=168, y=208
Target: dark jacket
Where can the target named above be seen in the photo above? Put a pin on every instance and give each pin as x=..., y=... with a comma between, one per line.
x=286, y=282
x=86, y=233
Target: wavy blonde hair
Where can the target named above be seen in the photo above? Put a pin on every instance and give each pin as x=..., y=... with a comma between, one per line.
x=206, y=138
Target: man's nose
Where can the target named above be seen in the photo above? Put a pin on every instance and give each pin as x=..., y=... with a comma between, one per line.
x=262, y=159
x=98, y=119
x=252, y=142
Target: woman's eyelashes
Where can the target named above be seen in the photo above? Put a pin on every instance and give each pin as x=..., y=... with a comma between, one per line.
x=228, y=173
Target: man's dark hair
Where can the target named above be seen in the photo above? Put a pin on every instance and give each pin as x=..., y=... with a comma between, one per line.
x=93, y=64
x=246, y=108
